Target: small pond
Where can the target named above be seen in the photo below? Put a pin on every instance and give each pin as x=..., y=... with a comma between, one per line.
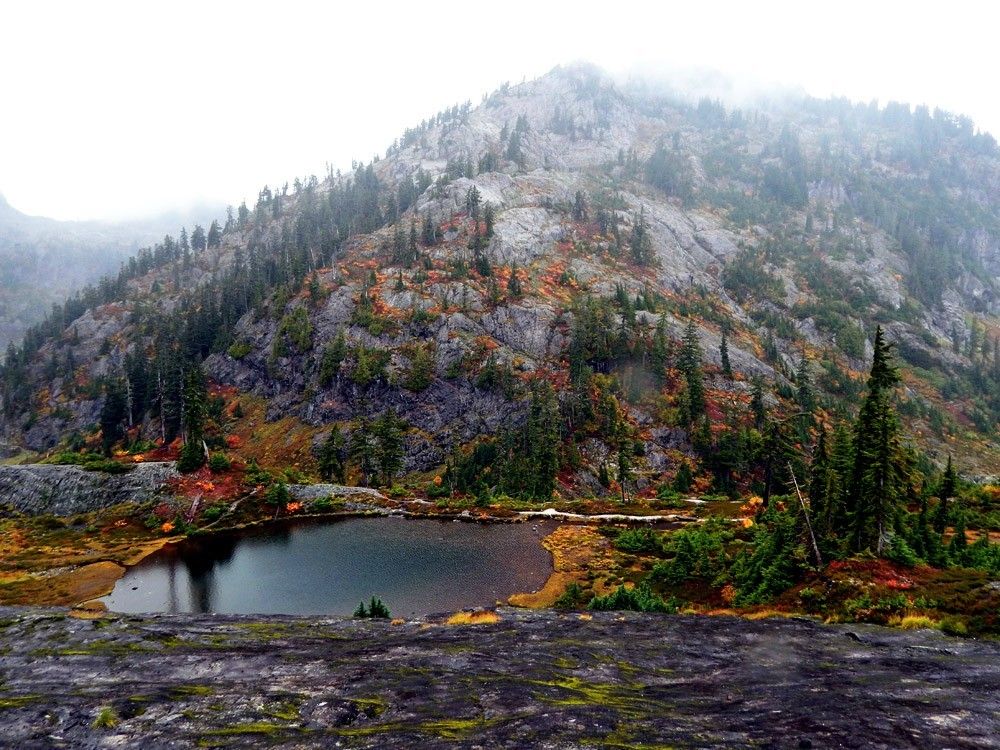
x=416, y=567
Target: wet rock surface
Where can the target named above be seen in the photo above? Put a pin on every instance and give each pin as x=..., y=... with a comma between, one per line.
x=534, y=679
x=66, y=490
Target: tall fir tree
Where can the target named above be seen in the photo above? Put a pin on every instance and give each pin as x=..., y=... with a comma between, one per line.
x=879, y=475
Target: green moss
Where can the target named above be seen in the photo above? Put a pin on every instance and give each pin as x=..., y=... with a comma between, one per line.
x=181, y=691
x=17, y=701
x=627, y=698
x=457, y=729
x=372, y=707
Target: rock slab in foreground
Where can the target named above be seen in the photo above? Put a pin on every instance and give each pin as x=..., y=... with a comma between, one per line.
x=66, y=490
x=535, y=679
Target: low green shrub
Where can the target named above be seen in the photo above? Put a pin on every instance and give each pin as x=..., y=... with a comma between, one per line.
x=375, y=610
x=219, y=462
x=638, y=599
x=642, y=541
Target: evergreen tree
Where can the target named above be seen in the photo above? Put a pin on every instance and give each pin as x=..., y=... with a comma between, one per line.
x=823, y=490
x=514, y=283
x=363, y=450
x=113, y=413
x=214, y=234
x=195, y=412
x=727, y=368
x=945, y=492
x=331, y=457
x=388, y=431
x=879, y=475
x=689, y=363
x=641, y=241
x=333, y=356
x=489, y=218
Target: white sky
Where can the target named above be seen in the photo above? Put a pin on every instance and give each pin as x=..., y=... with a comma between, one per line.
x=117, y=109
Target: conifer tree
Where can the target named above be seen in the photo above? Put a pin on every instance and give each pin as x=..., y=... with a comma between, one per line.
x=388, y=432
x=879, y=475
x=331, y=456
x=727, y=367
x=514, y=283
x=946, y=491
x=195, y=412
x=641, y=242
x=113, y=413
x=689, y=363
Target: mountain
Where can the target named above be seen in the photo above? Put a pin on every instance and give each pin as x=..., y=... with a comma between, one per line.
x=43, y=261
x=534, y=293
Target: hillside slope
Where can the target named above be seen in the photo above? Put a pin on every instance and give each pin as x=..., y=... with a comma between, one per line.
x=43, y=261
x=514, y=282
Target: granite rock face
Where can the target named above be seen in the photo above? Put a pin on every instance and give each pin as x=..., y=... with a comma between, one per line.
x=533, y=679
x=66, y=490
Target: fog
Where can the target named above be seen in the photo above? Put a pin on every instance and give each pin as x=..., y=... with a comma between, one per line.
x=114, y=110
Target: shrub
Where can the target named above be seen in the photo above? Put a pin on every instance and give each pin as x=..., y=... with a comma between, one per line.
x=775, y=563
x=322, y=505
x=191, y=458
x=257, y=475
x=954, y=626
x=572, y=597
x=638, y=599
x=639, y=541
x=900, y=552
x=219, y=462
x=239, y=349
x=277, y=494
x=697, y=553
x=375, y=610
x=214, y=512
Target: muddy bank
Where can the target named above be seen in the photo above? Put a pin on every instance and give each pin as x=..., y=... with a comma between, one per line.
x=531, y=679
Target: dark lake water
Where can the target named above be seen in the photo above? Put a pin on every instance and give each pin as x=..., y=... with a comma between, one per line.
x=416, y=567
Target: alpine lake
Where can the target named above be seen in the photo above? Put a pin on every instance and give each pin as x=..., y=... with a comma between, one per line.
x=416, y=567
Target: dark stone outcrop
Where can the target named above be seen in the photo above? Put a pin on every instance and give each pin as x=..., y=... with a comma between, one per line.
x=534, y=679
x=66, y=490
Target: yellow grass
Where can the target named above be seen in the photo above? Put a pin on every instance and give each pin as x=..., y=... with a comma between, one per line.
x=479, y=617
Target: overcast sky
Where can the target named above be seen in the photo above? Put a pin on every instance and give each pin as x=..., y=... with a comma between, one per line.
x=113, y=110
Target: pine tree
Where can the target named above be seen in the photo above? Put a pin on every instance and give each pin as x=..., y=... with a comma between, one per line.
x=727, y=368
x=362, y=448
x=113, y=413
x=879, y=475
x=641, y=242
x=333, y=356
x=489, y=218
x=689, y=363
x=331, y=456
x=659, y=352
x=195, y=412
x=388, y=431
x=823, y=488
x=946, y=491
x=514, y=283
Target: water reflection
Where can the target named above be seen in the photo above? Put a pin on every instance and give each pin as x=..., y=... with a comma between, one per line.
x=417, y=567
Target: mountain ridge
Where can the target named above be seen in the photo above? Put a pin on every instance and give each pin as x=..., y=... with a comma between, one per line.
x=784, y=233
